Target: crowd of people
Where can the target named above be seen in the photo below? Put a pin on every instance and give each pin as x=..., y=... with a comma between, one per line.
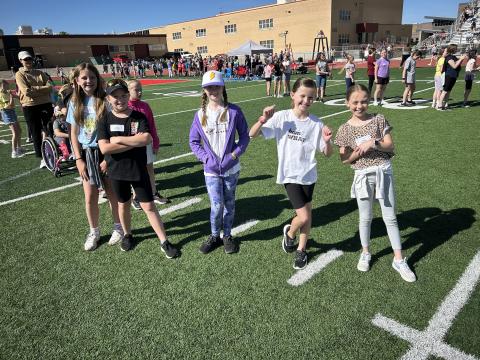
x=111, y=134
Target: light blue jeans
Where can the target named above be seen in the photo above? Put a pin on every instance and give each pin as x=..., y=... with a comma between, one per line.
x=221, y=191
x=387, y=204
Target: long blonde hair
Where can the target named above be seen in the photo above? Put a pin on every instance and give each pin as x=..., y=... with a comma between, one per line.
x=79, y=95
x=223, y=117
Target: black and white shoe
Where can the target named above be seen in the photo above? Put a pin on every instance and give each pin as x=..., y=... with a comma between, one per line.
x=300, y=260
x=288, y=244
x=169, y=250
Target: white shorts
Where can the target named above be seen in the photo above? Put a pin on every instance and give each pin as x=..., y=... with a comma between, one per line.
x=150, y=154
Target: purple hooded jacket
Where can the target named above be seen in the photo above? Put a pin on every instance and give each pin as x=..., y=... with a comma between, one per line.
x=202, y=150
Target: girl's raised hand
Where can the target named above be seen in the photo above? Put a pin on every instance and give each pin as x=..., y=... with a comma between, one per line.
x=326, y=133
x=267, y=114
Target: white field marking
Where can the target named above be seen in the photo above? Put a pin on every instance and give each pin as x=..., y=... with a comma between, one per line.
x=179, y=206
x=38, y=194
x=6, y=135
x=302, y=276
x=30, y=153
x=70, y=185
x=190, y=93
x=430, y=341
x=4, y=142
x=5, y=130
x=172, y=158
x=18, y=176
x=241, y=228
x=190, y=110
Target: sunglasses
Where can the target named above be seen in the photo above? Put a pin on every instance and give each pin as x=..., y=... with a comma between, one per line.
x=28, y=59
x=113, y=82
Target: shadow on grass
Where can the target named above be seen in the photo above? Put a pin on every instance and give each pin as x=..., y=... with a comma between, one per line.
x=434, y=227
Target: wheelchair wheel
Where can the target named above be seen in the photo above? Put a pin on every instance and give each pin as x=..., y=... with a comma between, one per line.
x=50, y=153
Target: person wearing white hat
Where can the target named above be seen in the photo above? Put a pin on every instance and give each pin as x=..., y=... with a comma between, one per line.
x=212, y=140
x=34, y=91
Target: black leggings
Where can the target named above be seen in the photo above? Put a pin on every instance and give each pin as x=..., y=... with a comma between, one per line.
x=37, y=118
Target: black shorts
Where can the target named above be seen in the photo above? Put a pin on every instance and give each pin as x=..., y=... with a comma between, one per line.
x=382, y=80
x=449, y=83
x=299, y=195
x=101, y=157
x=268, y=79
x=143, y=189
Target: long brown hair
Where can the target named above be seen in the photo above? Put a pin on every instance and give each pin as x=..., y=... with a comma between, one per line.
x=79, y=95
x=223, y=117
x=303, y=81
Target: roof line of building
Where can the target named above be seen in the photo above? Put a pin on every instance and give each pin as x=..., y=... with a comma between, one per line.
x=225, y=14
x=85, y=36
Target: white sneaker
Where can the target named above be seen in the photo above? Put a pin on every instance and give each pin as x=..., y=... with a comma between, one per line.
x=279, y=96
x=116, y=237
x=404, y=271
x=375, y=103
x=14, y=155
x=20, y=152
x=42, y=164
x=91, y=241
x=364, y=261
x=434, y=105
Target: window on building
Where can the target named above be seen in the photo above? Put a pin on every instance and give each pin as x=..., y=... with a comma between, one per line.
x=178, y=50
x=177, y=35
x=131, y=47
x=345, y=15
x=265, y=24
x=343, y=38
x=230, y=28
x=201, y=32
x=202, y=49
x=113, y=48
x=267, y=43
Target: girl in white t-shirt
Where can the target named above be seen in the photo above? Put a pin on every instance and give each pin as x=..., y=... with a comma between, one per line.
x=366, y=145
x=299, y=135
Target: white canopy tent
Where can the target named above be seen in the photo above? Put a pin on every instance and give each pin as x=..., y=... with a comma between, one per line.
x=250, y=48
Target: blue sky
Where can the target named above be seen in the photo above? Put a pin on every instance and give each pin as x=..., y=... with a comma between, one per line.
x=107, y=16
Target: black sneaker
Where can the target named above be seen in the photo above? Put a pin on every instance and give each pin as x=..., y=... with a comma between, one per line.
x=136, y=204
x=230, y=245
x=288, y=244
x=210, y=244
x=403, y=104
x=411, y=102
x=127, y=242
x=300, y=260
x=168, y=249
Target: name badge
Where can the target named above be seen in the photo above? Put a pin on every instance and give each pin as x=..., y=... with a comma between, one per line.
x=117, y=127
x=362, y=139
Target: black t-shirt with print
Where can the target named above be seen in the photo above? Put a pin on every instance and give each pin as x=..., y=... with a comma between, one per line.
x=127, y=165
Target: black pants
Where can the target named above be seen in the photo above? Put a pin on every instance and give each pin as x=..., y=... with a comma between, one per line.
x=37, y=118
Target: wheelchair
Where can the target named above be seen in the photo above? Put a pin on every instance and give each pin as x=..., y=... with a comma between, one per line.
x=52, y=155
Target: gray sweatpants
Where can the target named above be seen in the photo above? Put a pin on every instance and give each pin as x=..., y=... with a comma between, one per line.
x=387, y=205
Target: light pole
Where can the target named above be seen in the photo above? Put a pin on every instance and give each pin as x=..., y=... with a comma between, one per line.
x=284, y=35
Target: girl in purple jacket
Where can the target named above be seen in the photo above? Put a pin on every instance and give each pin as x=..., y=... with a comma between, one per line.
x=212, y=139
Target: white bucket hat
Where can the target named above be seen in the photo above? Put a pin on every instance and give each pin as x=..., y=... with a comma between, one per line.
x=212, y=78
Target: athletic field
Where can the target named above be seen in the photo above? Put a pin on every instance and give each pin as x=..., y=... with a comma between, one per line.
x=60, y=302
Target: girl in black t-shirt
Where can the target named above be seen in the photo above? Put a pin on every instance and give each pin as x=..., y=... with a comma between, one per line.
x=452, y=68
x=122, y=136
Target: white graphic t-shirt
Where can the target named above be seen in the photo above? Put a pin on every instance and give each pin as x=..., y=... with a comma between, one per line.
x=87, y=135
x=297, y=142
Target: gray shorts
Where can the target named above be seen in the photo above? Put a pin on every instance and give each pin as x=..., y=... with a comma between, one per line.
x=438, y=83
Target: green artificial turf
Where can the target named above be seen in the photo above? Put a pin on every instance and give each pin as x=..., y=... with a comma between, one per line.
x=60, y=302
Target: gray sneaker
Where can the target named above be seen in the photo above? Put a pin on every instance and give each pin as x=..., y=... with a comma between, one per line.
x=230, y=245
x=364, y=262
x=300, y=260
x=402, y=268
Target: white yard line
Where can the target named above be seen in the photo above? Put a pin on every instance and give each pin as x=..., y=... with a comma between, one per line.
x=302, y=276
x=179, y=206
x=18, y=176
x=172, y=158
x=430, y=341
x=241, y=228
x=39, y=194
